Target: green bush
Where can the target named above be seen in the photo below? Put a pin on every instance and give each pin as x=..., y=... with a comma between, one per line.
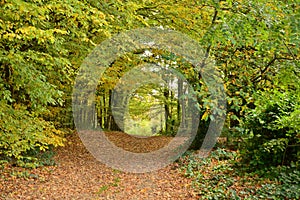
x=42, y=44
x=272, y=130
x=286, y=185
x=23, y=137
x=218, y=177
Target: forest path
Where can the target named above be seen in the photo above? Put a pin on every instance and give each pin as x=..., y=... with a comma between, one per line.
x=78, y=175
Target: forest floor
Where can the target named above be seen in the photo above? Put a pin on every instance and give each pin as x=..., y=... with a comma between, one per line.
x=78, y=175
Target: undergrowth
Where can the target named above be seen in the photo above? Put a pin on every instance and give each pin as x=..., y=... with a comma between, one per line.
x=219, y=176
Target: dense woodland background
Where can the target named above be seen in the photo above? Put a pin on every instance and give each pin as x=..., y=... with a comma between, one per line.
x=255, y=45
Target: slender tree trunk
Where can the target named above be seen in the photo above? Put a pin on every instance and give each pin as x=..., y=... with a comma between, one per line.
x=104, y=112
x=99, y=111
x=166, y=95
x=180, y=101
x=110, y=121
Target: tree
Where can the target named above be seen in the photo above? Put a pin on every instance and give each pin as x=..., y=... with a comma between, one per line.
x=42, y=44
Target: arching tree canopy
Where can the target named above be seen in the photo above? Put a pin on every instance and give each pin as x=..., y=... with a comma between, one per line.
x=255, y=45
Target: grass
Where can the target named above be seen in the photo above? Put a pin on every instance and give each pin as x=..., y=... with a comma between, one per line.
x=106, y=187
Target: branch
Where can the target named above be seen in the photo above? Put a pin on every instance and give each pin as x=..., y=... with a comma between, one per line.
x=150, y=7
x=209, y=46
x=265, y=69
x=289, y=50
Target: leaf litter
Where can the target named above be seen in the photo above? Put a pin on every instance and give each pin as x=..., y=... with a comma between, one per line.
x=78, y=175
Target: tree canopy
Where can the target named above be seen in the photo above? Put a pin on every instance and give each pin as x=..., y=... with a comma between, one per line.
x=255, y=45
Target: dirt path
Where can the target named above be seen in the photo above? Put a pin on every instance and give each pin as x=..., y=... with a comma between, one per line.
x=79, y=176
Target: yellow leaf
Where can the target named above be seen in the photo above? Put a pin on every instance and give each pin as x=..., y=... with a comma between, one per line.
x=205, y=115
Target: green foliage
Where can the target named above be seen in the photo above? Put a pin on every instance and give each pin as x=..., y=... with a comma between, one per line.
x=288, y=187
x=217, y=177
x=22, y=133
x=261, y=55
x=42, y=43
x=272, y=130
x=252, y=54
x=248, y=56
x=255, y=45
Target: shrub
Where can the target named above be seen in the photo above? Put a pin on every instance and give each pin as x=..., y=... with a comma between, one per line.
x=23, y=136
x=271, y=130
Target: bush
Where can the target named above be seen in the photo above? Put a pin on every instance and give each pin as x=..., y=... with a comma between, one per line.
x=42, y=44
x=271, y=130
x=217, y=177
x=23, y=136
